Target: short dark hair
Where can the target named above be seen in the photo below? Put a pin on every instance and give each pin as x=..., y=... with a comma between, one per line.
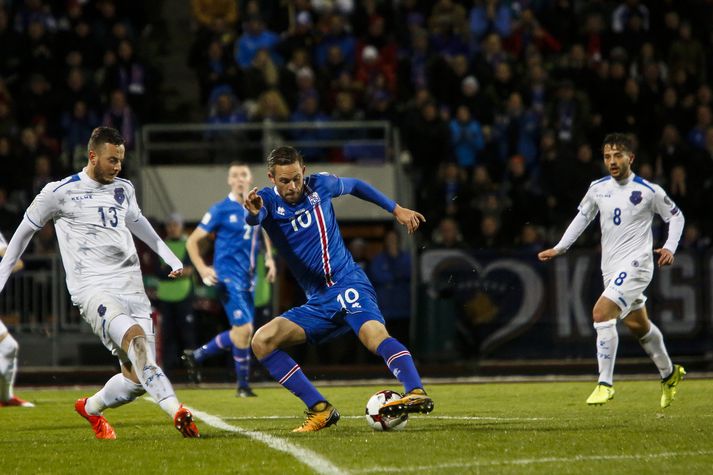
x=237, y=163
x=284, y=156
x=622, y=142
x=102, y=135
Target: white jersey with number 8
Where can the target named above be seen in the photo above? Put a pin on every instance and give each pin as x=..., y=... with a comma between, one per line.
x=626, y=209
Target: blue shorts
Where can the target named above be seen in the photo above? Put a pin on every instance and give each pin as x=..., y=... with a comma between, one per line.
x=239, y=304
x=335, y=310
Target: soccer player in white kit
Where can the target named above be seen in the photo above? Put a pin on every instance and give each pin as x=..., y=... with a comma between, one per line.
x=626, y=205
x=8, y=354
x=95, y=214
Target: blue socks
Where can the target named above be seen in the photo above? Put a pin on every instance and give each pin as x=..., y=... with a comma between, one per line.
x=215, y=346
x=241, y=358
x=289, y=374
x=400, y=363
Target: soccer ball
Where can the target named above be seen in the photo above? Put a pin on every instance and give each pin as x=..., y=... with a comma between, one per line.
x=379, y=422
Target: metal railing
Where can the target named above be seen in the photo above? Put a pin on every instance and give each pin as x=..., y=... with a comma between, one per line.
x=251, y=142
x=35, y=300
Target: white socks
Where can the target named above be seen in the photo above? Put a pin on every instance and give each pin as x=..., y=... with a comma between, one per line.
x=653, y=345
x=116, y=392
x=151, y=376
x=607, y=343
x=8, y=366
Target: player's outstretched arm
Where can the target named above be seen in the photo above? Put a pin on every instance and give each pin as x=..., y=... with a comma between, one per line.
x=206, y=272
x=14, y=250
x=409, y=218
x=19, y=265
x=142, y=229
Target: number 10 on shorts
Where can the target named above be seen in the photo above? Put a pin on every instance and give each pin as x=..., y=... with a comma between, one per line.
x=349, y=297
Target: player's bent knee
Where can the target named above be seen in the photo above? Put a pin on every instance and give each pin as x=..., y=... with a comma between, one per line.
x=263, y=344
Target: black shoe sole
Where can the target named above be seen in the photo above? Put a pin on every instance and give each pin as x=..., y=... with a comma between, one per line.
x=397, y=409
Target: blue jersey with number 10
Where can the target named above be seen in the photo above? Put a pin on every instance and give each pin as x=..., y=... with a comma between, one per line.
x=307, y=235
x=235, y=243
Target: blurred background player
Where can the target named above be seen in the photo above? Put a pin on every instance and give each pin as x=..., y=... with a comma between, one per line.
x=9, y=349
x=233, y=270
x=298, y=216
x=95, y=213
x=626, y=204
x=175, y=298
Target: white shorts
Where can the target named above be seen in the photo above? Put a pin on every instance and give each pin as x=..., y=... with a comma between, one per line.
x=626, y=287
x=101, y=309
x=3, y=328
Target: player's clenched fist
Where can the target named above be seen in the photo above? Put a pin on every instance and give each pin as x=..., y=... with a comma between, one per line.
x=547, y=254
x=253, y=202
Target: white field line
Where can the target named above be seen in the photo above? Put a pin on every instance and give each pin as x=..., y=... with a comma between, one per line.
x=531, y=461
x=305, y=456
x=455, y=418
x=312, y=459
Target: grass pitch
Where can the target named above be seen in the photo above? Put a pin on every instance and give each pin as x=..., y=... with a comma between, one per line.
x=475, y=428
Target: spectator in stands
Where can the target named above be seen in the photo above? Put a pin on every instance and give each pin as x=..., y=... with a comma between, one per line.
x=489, y=237
x=697, y=135
x=308, y=111
x=523, y=194
x=530, y=240
x=77, y=126
x=447, y=235
x=300, y=36
x=78, y=89
x=467, y=139
x=132, y=77
x=255, y=38
x=490, y=16
x=390, y=272
x=687, y=53
x=216, y=71
x=357, y=247
x=9, y=47
x=377, y=37
x=8, y=123
x=175, y=298
x=208, y=12
x=271, y=106
x=9, y=217
x=373, y=73
x=568, y=115
x=529, y=33
x=337, y=35
x=261, y=75
x=120, y=115
x=516, y=131
x=625, y=11
x=428, y=140
x=43, y=174
x=448, y=193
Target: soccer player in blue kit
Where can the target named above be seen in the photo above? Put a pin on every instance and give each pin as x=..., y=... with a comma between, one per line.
x=298, y=216
x=233, y=271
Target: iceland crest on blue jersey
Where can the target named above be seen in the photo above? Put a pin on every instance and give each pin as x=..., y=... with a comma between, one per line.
x=635, y=197
x=119, y=195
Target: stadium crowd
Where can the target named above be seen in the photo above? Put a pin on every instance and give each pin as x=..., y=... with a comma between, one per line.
x=501, y=104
